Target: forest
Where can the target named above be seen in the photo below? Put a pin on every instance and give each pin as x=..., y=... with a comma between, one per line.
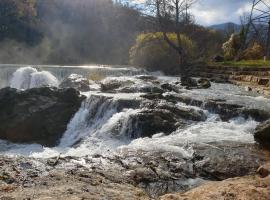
x=88, y=31
x=109, y=32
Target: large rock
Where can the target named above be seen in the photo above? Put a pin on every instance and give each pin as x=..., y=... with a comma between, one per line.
x=152, y=121
x=189, y=82
x=262, y=133
x=38, y=115
x=76, y=81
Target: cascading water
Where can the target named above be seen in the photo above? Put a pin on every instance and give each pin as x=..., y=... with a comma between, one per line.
x=104, y=123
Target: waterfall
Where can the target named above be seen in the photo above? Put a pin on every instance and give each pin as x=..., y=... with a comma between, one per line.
x=61, y=72
x=100, y=122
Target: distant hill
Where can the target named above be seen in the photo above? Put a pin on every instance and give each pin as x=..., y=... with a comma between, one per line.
x=226, y=26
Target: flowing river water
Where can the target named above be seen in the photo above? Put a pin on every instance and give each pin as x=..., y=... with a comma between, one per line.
x=103, y=125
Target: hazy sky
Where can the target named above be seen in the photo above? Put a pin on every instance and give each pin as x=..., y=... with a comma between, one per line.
x=208, y=12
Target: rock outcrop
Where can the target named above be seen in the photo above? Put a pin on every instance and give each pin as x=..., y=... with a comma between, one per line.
x=77, y=82
x=247, y=188
x=262, y=133
x=38, y=115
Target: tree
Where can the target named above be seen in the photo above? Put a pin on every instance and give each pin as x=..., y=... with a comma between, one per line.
x=154, y=53
x=17, y=21
x=260, y=18
x=170, y=16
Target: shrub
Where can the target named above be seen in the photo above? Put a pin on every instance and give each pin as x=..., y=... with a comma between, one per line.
x=153, y=53
x=254, y=52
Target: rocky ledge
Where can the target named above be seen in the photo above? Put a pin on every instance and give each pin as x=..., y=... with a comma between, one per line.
x=246, y=188
x=38, y=115
x=126, y=174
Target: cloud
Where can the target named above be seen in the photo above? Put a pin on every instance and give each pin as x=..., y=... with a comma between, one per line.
x=208, y=12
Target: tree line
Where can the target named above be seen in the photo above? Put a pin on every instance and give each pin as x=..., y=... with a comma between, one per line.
x=158, y=35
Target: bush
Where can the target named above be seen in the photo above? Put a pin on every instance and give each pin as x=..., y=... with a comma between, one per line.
x=254, y=52
x=153, y=53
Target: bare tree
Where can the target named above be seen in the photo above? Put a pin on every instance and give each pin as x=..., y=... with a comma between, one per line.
x=170, y=16
x=260, y=19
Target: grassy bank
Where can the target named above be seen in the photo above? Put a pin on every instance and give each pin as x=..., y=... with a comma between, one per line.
x=244, y=63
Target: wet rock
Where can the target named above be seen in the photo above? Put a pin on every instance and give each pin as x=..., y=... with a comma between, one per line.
x=153, y=96
x=248, y=89
x=76, y=81
x=263, y=81
x=180, y=112
x=151, y=121
x=262, y=133
x=189, y=82
x=38, y=115
x=204, y=83
x=149, y=88
x=110, y=85
x=146, y=77
x=169, y=87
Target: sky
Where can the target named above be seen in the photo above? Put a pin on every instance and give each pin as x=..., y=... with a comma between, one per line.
x=209, y=12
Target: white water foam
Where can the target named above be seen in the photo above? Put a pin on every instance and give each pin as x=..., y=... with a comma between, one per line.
x=28, y=77
x=21, y=79
x=44, y=78
x=236, y=130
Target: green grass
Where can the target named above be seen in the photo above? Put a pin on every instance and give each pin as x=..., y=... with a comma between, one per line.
x=245, y=63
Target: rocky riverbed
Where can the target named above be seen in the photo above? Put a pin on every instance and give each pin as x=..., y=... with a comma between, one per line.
x=129, y=137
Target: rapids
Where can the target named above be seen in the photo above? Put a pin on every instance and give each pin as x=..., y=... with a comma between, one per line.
x=102, y=125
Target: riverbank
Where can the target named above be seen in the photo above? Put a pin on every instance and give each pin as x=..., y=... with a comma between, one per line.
x=254, y=78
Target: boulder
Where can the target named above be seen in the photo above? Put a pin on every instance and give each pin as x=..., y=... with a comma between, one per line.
x=148, y=122
x=38, y=115
x=204, y=83
x=76, y=81
x=188, y=82
x=262, y=133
